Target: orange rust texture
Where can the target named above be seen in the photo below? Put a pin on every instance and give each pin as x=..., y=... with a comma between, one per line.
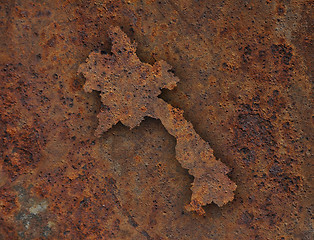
x=244, y=68
x=129, y=90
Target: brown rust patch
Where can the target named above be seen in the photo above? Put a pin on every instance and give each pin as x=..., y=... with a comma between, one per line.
x=129, y=90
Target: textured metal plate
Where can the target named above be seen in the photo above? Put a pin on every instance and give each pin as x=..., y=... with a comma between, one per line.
x=245, y=70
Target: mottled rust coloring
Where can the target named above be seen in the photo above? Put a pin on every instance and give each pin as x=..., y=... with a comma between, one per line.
x=129, y=90
x=245, y=70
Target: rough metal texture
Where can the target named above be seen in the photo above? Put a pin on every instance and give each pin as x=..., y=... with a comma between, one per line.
x=245, y=69
x=129, y=90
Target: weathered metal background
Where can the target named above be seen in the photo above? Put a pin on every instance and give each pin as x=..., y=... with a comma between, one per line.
x=245, y=69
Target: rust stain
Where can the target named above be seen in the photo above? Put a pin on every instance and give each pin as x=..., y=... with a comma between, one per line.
x=129, y=90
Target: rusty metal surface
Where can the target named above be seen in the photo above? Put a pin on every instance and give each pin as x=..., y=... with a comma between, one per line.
x=245, y=70
x=129, y=91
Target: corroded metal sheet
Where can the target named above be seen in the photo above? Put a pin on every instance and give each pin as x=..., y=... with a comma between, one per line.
x=129, y=90
x=244, y=68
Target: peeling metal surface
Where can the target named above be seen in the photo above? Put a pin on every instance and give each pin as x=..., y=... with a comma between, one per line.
x=245, y=70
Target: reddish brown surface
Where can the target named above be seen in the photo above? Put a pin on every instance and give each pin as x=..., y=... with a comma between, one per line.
x=244, y=69
x=129, y=91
